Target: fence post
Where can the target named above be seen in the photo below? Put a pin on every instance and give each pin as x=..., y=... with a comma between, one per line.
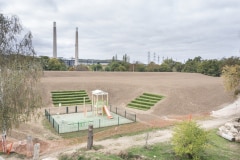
x=76, y=109
x=67, y=110
x=49, y=115
x=116, y=110
x=135, y=117
x=78, y=126
x=125, y=113
x=90, y=137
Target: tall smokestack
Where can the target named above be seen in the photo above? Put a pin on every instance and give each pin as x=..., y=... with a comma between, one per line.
x=54, y=40
x=76, y=48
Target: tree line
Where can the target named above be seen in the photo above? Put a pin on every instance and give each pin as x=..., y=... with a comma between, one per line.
x=211, y=67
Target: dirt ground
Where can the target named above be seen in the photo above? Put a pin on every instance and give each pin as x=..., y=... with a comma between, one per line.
x=186, y=95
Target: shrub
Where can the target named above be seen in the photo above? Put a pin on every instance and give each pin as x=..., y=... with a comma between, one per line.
x=189, y=140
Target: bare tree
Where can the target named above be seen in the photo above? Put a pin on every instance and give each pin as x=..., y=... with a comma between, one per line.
x=20, y=73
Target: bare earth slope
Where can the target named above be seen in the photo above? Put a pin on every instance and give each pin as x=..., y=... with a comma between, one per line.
x=185, y=93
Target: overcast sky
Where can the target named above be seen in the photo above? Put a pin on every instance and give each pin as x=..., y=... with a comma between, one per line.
x=178, y=29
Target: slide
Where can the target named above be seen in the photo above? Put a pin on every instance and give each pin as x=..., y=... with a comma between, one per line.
x=107, y=112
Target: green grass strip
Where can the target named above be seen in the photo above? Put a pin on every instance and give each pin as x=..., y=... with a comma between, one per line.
x=142, y=102
x=149, y=97
x=152, y=95
x=146, y=100
x=67, y=91
x=69, y=98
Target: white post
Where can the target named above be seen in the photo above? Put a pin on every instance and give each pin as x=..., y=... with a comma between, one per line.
x=107, y=99
x=85, y=110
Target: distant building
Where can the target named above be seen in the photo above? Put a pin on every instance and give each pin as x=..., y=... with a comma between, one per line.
x=71, y=62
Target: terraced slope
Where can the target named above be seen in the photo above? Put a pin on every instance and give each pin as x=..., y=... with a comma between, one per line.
x=145, y=101
x=68, y=98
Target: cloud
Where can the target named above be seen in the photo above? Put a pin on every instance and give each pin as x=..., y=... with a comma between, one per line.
x=177, y=29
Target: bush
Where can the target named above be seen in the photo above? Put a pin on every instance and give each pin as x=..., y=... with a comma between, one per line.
x=189, y=140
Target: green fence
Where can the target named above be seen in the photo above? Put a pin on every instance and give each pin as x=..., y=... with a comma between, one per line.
x=77, y=121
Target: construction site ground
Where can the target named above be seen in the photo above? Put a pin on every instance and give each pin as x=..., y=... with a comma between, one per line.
x=187, y=96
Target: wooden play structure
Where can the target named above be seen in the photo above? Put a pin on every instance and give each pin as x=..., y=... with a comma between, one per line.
x=100, y=103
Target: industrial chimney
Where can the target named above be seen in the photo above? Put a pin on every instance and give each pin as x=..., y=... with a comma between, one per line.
x=54, y=40
x=76, y=48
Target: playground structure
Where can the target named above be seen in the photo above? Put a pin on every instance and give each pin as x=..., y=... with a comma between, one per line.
x=100, y=103
x=77, y=118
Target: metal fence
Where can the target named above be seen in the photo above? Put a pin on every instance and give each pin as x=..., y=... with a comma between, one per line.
x=120, y=117
x=69, y=109
x=124, y=113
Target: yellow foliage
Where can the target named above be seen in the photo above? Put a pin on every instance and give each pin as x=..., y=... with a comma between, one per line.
x=231, y=77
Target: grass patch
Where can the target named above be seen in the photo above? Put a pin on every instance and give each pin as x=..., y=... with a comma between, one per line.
x=83, y=133
x=145, y=101
x=88, y=156
x=67, y=98
x=49, y=127
x=218, y=148
x=161, y=151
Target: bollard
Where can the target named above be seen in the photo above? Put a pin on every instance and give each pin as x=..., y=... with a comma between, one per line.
x=90, y=137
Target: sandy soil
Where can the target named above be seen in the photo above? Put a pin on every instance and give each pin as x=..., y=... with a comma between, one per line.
x=185, y=94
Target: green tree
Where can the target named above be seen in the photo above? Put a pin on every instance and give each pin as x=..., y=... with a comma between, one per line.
x=189, y=140
x=192, y=65
x=139, y=67
x=55, y=64
x=107, y=68
x=44, y=60
x=97, y=67
x=164, y=67
x=81, y=67
x=231, y=61
x=178, y=67
x=210, y=67
x=152, y=67
x=20, y=73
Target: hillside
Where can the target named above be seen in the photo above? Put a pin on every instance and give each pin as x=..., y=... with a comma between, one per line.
x=185, y=93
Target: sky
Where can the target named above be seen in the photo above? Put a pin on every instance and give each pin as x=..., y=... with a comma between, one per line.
x=177, y=29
